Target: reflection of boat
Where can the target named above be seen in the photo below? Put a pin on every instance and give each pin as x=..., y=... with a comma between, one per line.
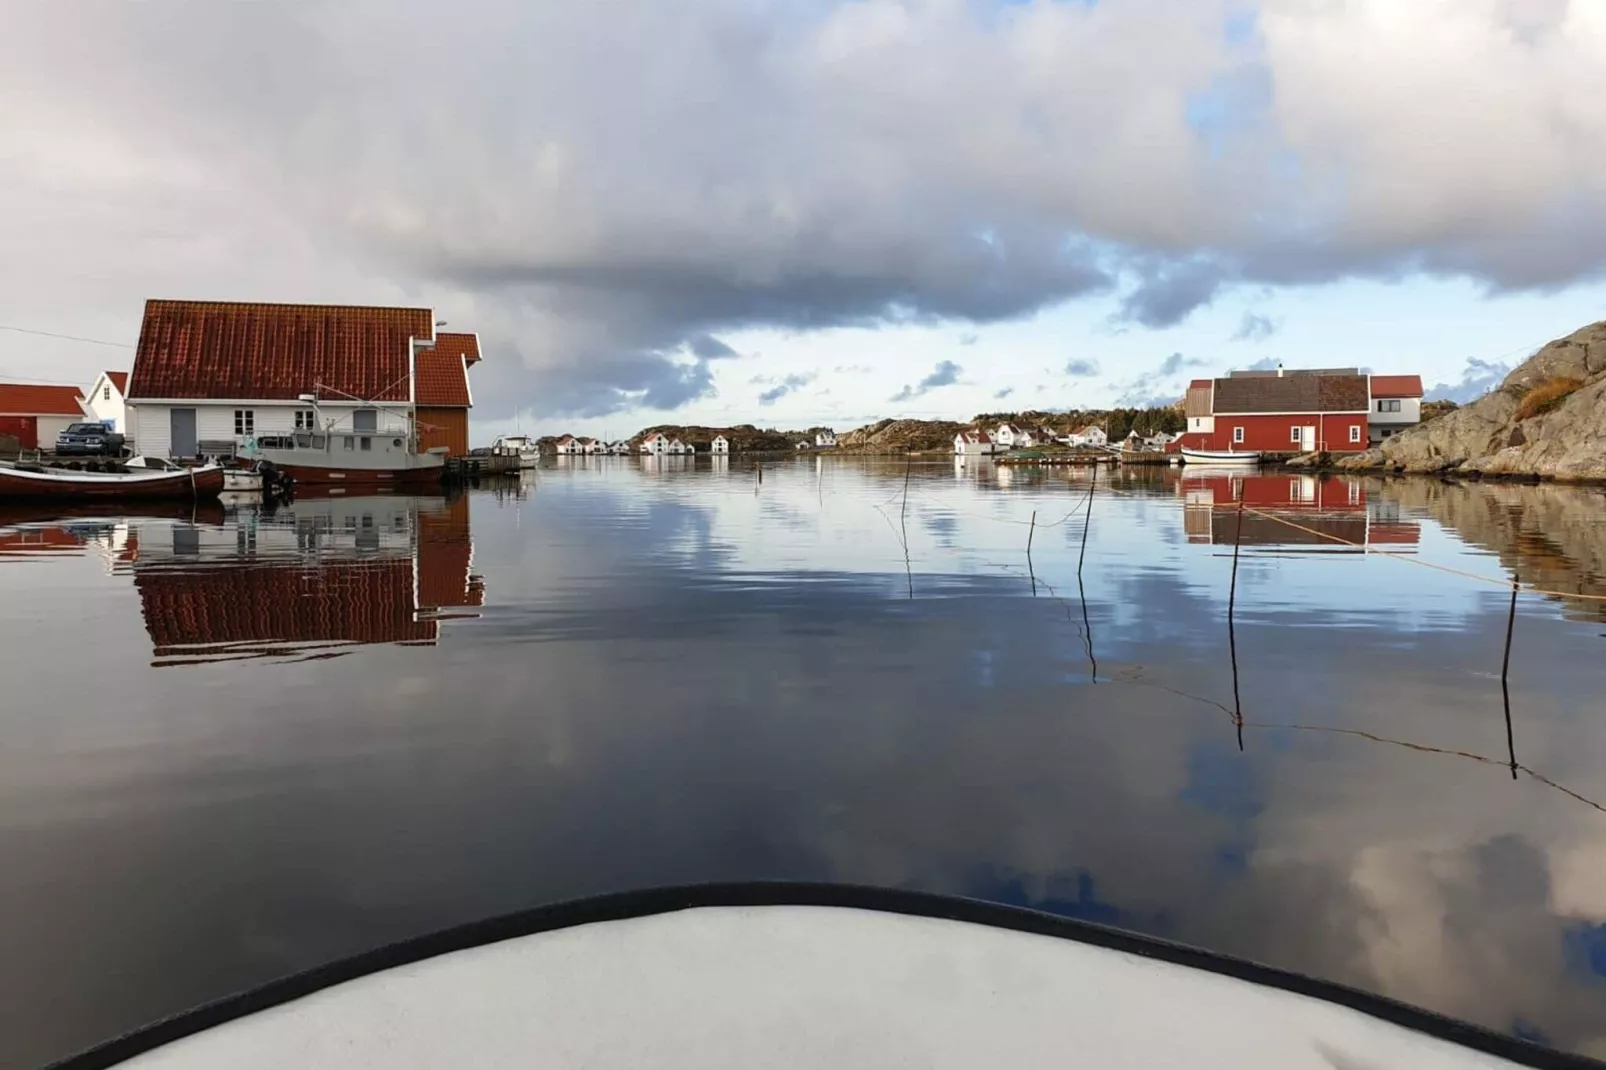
x=364, y=460
x=143, y=479
x=1232, y=457
x=792, y=976
x=520, y=446
x=242, y=479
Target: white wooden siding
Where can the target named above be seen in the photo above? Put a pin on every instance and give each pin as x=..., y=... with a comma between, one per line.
x=103, y=408
x=151, y=426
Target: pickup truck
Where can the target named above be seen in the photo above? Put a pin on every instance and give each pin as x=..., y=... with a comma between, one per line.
x=89, y=440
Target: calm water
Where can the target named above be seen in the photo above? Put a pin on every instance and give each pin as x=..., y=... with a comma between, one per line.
x=238, y=744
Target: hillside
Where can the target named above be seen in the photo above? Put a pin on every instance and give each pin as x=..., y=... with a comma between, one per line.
x=901, y=436
x=1547, y=419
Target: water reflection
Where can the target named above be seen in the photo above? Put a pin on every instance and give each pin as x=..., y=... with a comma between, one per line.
x=1296, y=511
x=311, y=578
x=689, y=675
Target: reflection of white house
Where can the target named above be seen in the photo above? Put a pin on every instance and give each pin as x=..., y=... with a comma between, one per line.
x=105, y=400
x=973, y=444
x=1012, y=437
x=721, y=444
x=825, y=438
x=1091, y=435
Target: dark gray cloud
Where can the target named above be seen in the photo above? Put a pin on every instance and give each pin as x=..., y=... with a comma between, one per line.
x=707, y=347
x=1081, y=369
x=946, y=373
x=788, y=385
x=1168, y=292
x=1477, y=379
x=1255, y=328
x=600, y=206
x=1004, y=393
x=1159, y=386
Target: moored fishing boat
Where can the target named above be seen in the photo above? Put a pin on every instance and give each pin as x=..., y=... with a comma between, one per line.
x=370, y=459
x=520, y=446
x=141, y=479
x=1232, y=457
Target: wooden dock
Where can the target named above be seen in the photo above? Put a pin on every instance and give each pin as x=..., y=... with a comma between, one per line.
x=479, y=466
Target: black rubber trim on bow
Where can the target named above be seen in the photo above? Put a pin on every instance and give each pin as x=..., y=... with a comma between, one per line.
x=619, y=906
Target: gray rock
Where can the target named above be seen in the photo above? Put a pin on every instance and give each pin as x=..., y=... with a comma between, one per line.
x=1485, y=438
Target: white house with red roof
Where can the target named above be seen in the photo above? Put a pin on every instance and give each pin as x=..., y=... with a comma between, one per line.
x=1396, y=405
x=974, y=444
x=35, y=415
x=1012, y=436
x=209, y=375
x=106, y=400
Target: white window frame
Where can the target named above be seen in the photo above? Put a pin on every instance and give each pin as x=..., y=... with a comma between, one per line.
x=245, y=422
x=1294, y=434
x=1237, y=436
x=1354, y=433
x=306, y=420
x=106, y=392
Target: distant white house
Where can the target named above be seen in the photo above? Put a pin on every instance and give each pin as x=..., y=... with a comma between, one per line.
x=1091, y=435
x=721, y=444
x=568, y=445
x=825, y=439
x=1011, y=436
x=656, y=443
x=1159, y=441
x=974, y=444
x=593, y=447
x=620, y=449
x=677, y=447
x=104, y=401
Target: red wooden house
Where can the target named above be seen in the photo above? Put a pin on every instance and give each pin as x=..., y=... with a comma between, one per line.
x=1279, y=412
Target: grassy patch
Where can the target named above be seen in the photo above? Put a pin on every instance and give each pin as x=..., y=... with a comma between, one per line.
x=1546, y=396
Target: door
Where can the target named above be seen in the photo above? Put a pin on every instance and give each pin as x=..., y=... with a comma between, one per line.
x=365, y=420
x=182, y=443
x=24, y=428
x=1307, y=438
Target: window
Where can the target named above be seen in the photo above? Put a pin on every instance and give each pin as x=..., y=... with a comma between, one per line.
x=1237, y=435
x=1389, y=405
x=1355, y=432
x=245, y=421
x=350, y=442
x=1293, y=435
x=106, y=392
x=367, y=443
x=306, y=420
x=1387, y=432
x=1354, y=493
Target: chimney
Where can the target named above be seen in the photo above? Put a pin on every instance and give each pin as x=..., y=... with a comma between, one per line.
x=1279, y=369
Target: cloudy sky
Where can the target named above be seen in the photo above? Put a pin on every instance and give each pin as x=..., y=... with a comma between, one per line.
x=798, y=212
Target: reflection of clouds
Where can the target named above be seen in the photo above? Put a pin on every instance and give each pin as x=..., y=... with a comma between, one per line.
x=675, y=684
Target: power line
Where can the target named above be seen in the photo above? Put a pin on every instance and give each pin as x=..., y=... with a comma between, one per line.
x=8, y=377
x=67, y=337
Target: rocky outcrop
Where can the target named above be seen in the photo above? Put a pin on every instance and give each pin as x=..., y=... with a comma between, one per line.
x=1497, y=436
x=902, y=436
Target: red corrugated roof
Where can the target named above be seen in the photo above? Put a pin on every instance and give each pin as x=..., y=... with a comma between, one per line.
x=224, y=350
x=442, y=375
x=1396, y=386
x=25, y=399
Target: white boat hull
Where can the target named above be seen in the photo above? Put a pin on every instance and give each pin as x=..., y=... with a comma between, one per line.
x=1219, y=457
x=794, y=986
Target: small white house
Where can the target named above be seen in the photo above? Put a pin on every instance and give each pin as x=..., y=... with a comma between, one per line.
x=721, y=444
x=619, y=449
x=825, y=439
x=568, y=445
x=1158, y=441
x=1091, y=435
x=1013, y=437
x=590, y=447
x=106, y=400
x=678, y=448
x=974, y=444
x=656, y=443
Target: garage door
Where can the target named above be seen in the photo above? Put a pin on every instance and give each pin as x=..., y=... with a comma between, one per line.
x=25, y=428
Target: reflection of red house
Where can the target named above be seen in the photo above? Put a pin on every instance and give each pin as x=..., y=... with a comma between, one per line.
x=1287, y=510
x=212, y=605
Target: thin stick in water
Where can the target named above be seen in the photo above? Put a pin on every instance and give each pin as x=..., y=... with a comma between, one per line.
x=1232, y=631
x=1505, y=674
x=1087, y=521
x=1030, y=534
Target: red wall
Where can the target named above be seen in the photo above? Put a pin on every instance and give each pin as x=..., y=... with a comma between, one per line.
x=25, y=428
x=1270, y=432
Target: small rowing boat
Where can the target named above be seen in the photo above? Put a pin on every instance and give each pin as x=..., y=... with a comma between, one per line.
x=142, y=480
x=1233, y=457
